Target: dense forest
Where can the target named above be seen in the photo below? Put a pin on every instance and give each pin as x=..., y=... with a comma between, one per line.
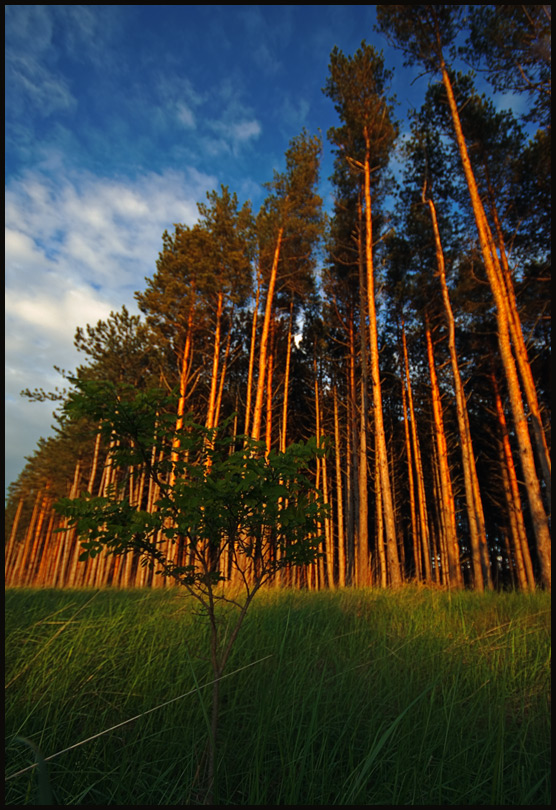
x=409, y=328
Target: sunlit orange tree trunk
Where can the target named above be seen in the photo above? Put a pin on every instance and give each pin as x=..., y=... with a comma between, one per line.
x=289, y=225
x=447, y=505
x=424, y=32
x=476, y=518
x=357, y=87
x=524, y=567
x=423, y=523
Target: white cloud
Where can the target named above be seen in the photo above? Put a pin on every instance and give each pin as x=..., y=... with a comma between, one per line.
x=77, y=247
x=233, y=135
x=52, y=315
x=20, y=248
x=35, y=83
x=185, y=115
x=32, y=78
x=245, y=130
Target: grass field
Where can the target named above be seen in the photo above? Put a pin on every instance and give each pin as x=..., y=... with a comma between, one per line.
x=332, y=698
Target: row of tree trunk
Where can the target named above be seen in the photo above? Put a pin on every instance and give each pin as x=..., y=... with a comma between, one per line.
x=355, y=551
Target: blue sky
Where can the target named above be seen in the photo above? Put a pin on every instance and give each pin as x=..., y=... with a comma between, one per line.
x=119, y=119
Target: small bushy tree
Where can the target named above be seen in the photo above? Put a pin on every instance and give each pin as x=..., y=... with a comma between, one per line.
x=226, y=511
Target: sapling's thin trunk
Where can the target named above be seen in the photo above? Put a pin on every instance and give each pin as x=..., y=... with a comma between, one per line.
x=219, y=660
x=215, y=710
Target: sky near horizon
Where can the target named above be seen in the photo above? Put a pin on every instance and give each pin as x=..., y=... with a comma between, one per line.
x=119, y=119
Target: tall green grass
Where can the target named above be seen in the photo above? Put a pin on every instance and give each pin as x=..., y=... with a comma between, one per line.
x=358, y=698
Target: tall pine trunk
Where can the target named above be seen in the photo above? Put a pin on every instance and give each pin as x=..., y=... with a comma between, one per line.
x=447, y=504
x=185, y=368
x=383, y=482
x=283, y=432
x=414, y=530
x=524, y=567
x=339, y=496
x=253, y=344
x=500, y=295
x=424, y=534
x=475, y=514
x=363, y=561
x=211, y=409
x=263, y=352
x=12, y=546
x=520, y=349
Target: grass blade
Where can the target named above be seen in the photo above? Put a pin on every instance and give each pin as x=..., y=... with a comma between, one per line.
x=361, y=773
x=44, y=793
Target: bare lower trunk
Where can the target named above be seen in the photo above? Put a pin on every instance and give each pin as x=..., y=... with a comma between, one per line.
x=524, y=566
x=339, y=497
x=447, y=505
x=475, y=514
x=424, y=534
x=383, y=481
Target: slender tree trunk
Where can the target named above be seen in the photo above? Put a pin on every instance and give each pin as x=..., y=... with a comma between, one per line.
x=328, y=528
x=424, y=533
x=283, y=433
x=221, y=384
x=352, y=538
x=269, y=384
x=94, y=465
x=57, y=569
x=520, y=350
x=257, y=415
x=363, y=560
x=499, y=292
x=45, y=572
x=476, y=518
x=439, y=548
x=95, y=577
x=317, y=566
x=215, y=361
x=184, y=379
x=252, y=356
x=71, y=574
x=37, y=541
x=417, y=557
x=339, y=496
x=379, y=516
x=153, y=490
x=321, y=562
x=383, y=482
x=447, y=506
x=42, y=573
x=326, y=562
x=24, y=546
x=524, y=565
x=11, y=548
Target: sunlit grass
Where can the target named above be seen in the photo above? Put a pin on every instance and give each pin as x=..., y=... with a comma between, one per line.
x=367, y=697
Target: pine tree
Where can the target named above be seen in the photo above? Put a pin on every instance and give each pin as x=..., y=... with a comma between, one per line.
x=426, y=33
x=357, y=87
x=288, y=227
